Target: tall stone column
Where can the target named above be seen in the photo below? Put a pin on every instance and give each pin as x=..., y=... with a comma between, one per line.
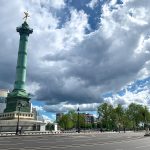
x=24, y=32
x=19, y=93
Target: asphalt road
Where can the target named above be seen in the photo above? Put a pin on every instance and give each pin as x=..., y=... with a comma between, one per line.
x=99, y=141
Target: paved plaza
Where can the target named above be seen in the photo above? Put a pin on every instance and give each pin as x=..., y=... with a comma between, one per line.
x=96, y=141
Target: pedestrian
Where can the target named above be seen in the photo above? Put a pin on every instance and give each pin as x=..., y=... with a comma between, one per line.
x=20, y=128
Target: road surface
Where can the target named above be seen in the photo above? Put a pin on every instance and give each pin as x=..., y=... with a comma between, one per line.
x=96, y=141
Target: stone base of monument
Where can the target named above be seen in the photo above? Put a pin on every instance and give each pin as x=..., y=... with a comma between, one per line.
x=14, y=115
x=26, y=125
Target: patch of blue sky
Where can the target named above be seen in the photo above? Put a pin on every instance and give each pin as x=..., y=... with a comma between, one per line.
x=139, y=85
x=110, y=94
x=144, y=81
x=37, y=103
x=121, y=92
x=42, y=112
x=78, y=4
x=50, y=115
x=120, y=1
x=132, y=87
x=63, y=15
x=94, y=15
x=136, y=87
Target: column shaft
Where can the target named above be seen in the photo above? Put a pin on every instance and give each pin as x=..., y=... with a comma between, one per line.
x=21, y=63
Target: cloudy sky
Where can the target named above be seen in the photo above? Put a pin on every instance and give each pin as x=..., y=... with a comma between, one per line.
x=81, y=53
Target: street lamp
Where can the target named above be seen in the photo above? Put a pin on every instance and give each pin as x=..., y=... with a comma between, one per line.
x=119, y=126
x=78, y=121
x=84, y=122
x=17, y=127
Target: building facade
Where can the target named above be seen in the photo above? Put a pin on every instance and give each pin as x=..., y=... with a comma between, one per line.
x=3, y=95
x=89, y=118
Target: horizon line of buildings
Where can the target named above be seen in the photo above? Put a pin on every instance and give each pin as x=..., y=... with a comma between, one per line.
x=89, y=118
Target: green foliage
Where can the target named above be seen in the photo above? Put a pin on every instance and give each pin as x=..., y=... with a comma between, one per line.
x=106, y=113
x=69, y=120
x=112, y=118
x=66, y=122
x=134, y=113
x=49, y=127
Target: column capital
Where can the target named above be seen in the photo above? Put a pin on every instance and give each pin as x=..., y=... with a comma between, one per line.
x=24, y=29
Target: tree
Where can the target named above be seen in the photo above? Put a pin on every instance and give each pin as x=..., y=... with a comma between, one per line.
x=69, y=120
x=73, y=117
x=105, y=112
x=119, y=117
x=126, y=123
x=135, y=115
x=49, y=127
x=65, y=122
x=119, y=112
x=145, y=116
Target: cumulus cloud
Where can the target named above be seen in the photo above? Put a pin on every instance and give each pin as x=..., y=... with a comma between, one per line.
x=129, y=97
x=68, y=66
x=64, y=107
x=38, y=108
x=57, y=4
x=47, y=119
x=92, y=3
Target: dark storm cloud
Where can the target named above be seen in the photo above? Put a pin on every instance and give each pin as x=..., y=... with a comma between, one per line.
x=57, y=87
x=100, y=63
x=9, y=43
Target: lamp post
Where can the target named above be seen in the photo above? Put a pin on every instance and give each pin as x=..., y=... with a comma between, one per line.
x=78, y=121
x=119, y=126
x=84, y=122
x=17, y=127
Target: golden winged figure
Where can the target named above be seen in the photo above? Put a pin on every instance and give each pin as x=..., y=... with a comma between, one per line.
x=26, y=16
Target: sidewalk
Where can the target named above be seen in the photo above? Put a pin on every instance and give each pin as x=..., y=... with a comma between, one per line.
x=37, y=133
